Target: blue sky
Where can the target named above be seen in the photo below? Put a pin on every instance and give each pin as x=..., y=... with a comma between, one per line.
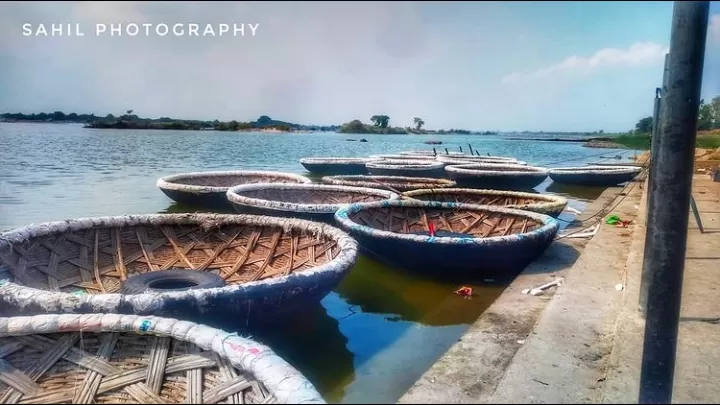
x=552, y=66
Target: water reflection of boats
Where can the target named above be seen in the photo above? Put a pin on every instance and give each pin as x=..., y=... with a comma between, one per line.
x=311, y=341
x=406, y=296
x=584, y=193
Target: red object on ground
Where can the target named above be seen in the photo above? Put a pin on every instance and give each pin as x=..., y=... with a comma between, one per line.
x=431, y=229
x=464, y=291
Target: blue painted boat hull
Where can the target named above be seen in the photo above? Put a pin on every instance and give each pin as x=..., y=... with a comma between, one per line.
x=592, y=179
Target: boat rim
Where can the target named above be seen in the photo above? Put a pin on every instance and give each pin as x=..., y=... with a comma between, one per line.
x=545, y=199
x=487, y=168
x=395, y=156
x=335, y=160
x=471, y=157
x=464, y=161
x=596, y=170
x=346, y=256
x=168, y=182
x=234, y=197
x=548, y=223
x=407, y=164
x=368, y=179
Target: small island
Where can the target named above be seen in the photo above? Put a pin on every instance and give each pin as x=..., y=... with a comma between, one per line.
x=130, y=121
x=381, y=125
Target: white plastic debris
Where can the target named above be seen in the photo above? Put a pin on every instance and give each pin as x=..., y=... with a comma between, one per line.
x=540, y=290
x=589, y=232
x=573, y=210
x=619, y=287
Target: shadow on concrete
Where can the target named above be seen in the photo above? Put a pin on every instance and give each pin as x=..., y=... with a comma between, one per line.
x=699, y=319
x=559, y=256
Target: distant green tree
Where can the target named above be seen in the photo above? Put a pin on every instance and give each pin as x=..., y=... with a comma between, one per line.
x=264, y=120
x=381, y=121
x=644, y=126
x=715, y=108
x=354, y=127
x=705, y=117
x=58, y=116
x=418, y=123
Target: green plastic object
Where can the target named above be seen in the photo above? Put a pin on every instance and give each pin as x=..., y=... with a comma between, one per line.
x=613, y=220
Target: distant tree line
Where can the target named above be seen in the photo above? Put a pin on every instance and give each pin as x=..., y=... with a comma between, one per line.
x=128, y=120
x=708, y=118
x=381, y=125
x=57, y=116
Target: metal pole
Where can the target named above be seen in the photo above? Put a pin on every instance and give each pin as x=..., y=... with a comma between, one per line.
x=671, y=204
x=656, y=114
x=655, y=141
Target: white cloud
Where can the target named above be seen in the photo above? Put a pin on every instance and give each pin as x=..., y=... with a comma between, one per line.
x=640, y=53
x=714, y=29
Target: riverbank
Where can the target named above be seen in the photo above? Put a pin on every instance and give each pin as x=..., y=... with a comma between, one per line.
x=473, y=369
x=704, y=139
x=583, y=344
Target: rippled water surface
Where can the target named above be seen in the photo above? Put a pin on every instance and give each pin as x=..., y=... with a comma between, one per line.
x=372, y=337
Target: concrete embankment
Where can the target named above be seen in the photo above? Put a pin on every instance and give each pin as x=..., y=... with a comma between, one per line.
x=585, y=344
x=499, y=344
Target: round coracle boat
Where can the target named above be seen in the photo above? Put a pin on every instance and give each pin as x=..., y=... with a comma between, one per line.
x=448, y=238
x=207, y=189
x=604, y=176
x=311, y=201
x=429, y=153
x=497, y=176
x=541, y=203
x=335, y=165
x=128, y=359
x=421, y=158
x=178, y=265
x=406, y=168
x=394, y=183
x=452, y=160
x=617, y=164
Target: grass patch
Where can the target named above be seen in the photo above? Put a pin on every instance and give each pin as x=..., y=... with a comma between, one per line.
x=705, y=139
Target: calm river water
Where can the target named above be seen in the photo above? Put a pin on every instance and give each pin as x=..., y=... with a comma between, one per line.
x=374, y=335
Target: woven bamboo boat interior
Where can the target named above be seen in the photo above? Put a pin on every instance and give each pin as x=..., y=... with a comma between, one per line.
x=99, y=260
x=112, y=368
x=233, y=180
x=301, y=196
x=479, y=224
x=478, y=199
